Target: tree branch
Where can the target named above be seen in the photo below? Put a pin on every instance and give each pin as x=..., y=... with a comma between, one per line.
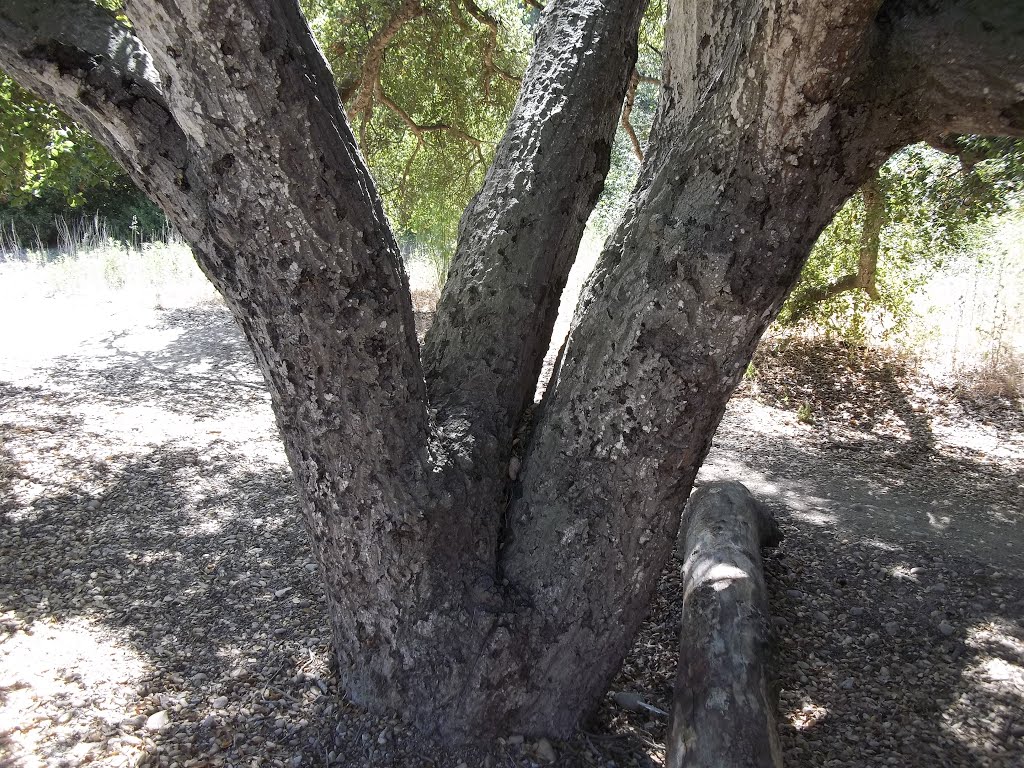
x=79, y=56
x=417, y=129
x=864, y=279
x=627, y=110
x=961, y=62
x=248, y=151
x=490, y=68
x=760, y=137
x=519, y=235
x=970, y=153
x=361, y=102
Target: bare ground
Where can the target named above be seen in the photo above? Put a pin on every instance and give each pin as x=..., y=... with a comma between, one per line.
x=158, y=606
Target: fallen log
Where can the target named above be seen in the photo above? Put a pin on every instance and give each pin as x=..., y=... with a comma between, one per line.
x=723, y=715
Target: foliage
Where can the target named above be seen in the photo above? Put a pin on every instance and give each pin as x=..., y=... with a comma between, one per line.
x=428, y=86
x=937, y=204
x=50, y=169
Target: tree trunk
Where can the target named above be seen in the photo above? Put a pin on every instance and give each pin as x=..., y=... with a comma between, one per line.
x=472, y=603
x=723, y=714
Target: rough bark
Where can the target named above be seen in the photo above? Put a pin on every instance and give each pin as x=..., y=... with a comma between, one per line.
x=244, y=143
x=471, y=604
x=723, y=714
x=268, y=187
x=771, y=116
x=520, y=233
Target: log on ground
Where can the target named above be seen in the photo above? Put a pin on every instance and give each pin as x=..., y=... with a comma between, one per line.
x=723, y=714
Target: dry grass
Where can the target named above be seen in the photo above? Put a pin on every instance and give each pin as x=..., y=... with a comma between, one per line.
x=158, y=274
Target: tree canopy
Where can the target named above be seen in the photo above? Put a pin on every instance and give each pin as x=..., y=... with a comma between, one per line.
x=428, y=86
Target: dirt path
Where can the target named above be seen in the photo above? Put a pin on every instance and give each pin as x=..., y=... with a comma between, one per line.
x=158, y=606
x=967, y=502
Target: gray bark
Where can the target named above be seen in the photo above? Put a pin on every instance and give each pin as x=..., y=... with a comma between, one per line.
x=723, y=714
x=769, y=119
x=471, y=604
x=519, y=236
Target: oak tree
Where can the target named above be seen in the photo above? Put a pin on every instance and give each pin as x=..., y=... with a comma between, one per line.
x=487, y=564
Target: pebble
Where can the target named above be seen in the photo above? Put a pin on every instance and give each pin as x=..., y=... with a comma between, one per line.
x=158, y=720
x=946, y=628
x=544, y=751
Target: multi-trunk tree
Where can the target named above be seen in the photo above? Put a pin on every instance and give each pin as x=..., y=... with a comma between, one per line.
x=487, y=564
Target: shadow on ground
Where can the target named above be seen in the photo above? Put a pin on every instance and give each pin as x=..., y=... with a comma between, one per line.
x=206, y=585
x=184, y=568
x=916, y=658
x=192, y=362
x=966, y=503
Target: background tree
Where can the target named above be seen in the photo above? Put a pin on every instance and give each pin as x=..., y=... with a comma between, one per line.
x=428, y=86
x=474, y=593
x=52, y=170
x=924, y=210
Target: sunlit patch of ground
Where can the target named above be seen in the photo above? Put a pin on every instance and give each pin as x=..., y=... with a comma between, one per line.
x=990, y=706
x=62, y=681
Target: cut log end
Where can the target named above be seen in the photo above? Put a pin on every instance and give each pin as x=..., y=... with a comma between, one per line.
x=722, y=712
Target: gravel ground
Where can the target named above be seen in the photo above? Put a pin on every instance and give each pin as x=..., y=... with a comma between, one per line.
x=158, y=606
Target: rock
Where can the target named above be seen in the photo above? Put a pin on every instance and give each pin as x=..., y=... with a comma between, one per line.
x=857, y=611
x=892, y=627
x=544, y=751
x=158, y=720
x=946, y=628
x=796, y=594
x=515, y=741
x=847, y=684
x=220, y=702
